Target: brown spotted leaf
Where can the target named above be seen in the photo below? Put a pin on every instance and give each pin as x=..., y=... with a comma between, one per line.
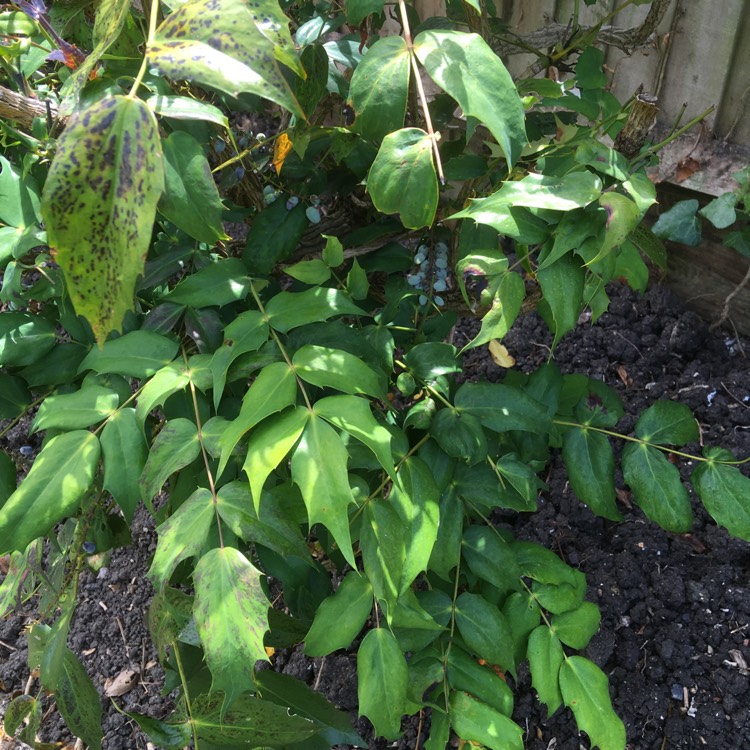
x=231, y=615
x=231, y=45
x=99, y=204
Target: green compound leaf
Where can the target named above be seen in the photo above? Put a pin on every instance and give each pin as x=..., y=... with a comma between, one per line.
x=274, y=389
x=78, y=702
x=476, y=721
x=99, y=205
x=251, y=722
x=16, y=711
x=459, y=435
x=181, y=536
x=8, y=474
x=354, y=416
x=61, y=475
x=383, y=679
x=24, y=338
x=502, y=407
x=340, y=617
x=124, y=451
x=335, y=368
x=163, y=734
x=14, y=396
x=168, y=380
x=311, y=272
x=383, y=543
x=726, y=494
x=379, y=89
x=402, y=179
x=231, y=615
x=465, y=67
x=590, y=463
x=467, y=674
x=73, y=411
x=191, y=200
x=319, y=470
x=358, y=10
x=289, y=310
x=657, y=487
x=269, y=444
x=416, y=499
x=491, y=558
x=218, y=284
x=175, y=447
x=578, y=626
x=585, y=690
x=667, y=423
x=545, y=659
x=185, y=108
x=623, y=215
x=485, y=630
x=138, y=354
x=562, y=286
x=229, y=45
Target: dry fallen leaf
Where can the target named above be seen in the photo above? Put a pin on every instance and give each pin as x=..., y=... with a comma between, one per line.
x=123, y=683
x=686, y=169
x=281, y=149
x=500, y=355
x=623, y=375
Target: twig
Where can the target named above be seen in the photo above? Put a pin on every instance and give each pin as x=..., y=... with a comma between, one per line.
x=24, y=109
x=728, y=301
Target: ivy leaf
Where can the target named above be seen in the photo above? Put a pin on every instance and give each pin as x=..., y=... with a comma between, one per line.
x=319, y=470
x=138, y=354
x=465, y=67
x=99, y=205
x=229, y=45
x=475, y=721
x=585, y=690
x=657, y=487
x=231, y=615
x=402, y=179
x=379, y=89
x=124, y=452
x=577, y=627
x=61, y=475
x=181, y=536
x=334, y=368
x=667, y=423
x=72, y=411
x=274, y=389
x=725, y=493
x=175, y=447
x=383, y=679
x=339, y=618
x=679, y=224
x=191, y=199
x=269, y=444
x=590, y=463
x=545, y=659
x=720, y=211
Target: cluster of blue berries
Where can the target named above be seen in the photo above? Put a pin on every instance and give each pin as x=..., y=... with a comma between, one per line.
x=430, y=273
x=270, y=194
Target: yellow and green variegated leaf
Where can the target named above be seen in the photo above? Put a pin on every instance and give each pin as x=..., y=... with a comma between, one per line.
x=231, y=615
x=99, y=204
x=230, y=45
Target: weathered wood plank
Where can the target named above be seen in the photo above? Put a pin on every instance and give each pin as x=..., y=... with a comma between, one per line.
x=733, y=118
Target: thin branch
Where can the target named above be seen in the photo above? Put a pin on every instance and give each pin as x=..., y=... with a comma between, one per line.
x=24, y=109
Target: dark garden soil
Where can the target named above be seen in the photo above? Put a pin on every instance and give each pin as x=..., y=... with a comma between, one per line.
x=675, y=633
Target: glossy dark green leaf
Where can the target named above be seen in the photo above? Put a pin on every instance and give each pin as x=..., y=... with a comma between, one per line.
x=168, y=380
x=382, y=682
x=415, y=629
x=186, y=108
x=402, y=179
x=358, y=10
x=61, y=475
x=138, y=354
x=379, y=89
x=124, y=452
x=459, y=435
x=288, y=310
x=623, y=215
x=24, y=338
x=217, y=284
x=603, y=159
x=726, y=494
x=99, y=205
x=339, y=618
x=545, y=658
x=311, y=272
x=485, y=631
x=20, y=204
x=577, y=627
x=181, y=536
x=476, y=721
x=720, y=211
x=431, y=359
x=446, y=552
x=383, y=544
x=657, y=487
x=491, y=558
x=175, y=447
x=72, y=411
x=334, y=368
x=679, y=223
x=250, y=722
x=191, y=200
x=8, y=474
x=14, y=396
x=585, y=690
x=273, y=236
x=650, y=245
x=562, y=287
x=229, y=46
x=162, y=733
x=231, y=615
x=17, y=710
x=502, y=407
x=465, y=67
x=467, y=674
x=514, y=221
x=667, y=423
x=590, y=463
x=59, y=365
x=319, y=470
x=78, y=702
x=523, y=614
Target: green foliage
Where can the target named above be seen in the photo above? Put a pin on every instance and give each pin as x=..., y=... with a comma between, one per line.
x=286, y=406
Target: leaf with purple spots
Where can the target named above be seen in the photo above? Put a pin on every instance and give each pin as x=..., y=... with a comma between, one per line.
x=230, y=45
x=99, y=205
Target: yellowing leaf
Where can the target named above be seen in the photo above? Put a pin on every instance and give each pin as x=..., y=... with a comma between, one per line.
x=500, y=355
x=99, y=204
x=281, y=149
